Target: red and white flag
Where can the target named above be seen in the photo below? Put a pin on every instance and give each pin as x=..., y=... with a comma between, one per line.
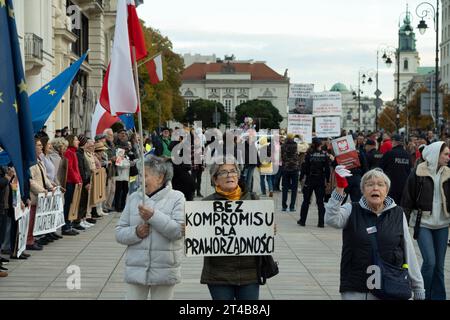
x=155, y=70
x=118, y=93
x=101, y=120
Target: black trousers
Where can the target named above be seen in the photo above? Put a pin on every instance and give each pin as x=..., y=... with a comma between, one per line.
x=319, y=191
x=120, y=197
x=197, y=176
x=3, y=222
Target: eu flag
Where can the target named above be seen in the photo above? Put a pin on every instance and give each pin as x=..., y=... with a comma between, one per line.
x=45, y=100
x=16, y=130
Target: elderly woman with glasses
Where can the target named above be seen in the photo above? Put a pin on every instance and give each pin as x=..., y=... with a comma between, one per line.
x=153, y=232
x=377, y=215
x=230, y=277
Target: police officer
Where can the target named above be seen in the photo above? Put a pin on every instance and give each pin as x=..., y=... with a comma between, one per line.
x=373, y=156
x=397, y=165
x=316, y=168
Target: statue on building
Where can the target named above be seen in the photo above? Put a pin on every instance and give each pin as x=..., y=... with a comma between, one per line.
x=77, y=109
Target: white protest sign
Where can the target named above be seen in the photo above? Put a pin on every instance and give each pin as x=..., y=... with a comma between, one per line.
x=327, y=104
x=48, y=212
x=328, y=127
x=23, y=224
x=345, y=151
x=300, y=90
x=229, y=228
x=301, y=124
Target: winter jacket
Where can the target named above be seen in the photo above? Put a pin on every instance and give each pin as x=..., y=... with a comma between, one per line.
x=316, y=168
x=290, y=156
x=73, y=172
x=356, y=241
x=156, y=259
x=373, y=159
x=39, y=181
x=230, y=270
x=84, y=166
x=434, y=200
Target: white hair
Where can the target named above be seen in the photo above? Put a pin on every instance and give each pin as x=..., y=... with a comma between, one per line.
x=375, y=173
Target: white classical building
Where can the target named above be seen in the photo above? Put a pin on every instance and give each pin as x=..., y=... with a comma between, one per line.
x=55, y=33
x=233, y=82
x=351, y=110
x=445, y=44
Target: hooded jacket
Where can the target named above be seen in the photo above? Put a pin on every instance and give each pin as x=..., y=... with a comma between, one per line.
x=434, y=200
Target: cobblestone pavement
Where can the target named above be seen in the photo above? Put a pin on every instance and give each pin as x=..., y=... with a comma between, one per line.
x=308, y=258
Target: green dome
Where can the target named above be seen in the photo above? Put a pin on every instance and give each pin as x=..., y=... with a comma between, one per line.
x=339, y=87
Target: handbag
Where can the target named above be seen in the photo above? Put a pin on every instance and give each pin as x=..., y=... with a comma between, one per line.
x=394, y=281
x=266, y=268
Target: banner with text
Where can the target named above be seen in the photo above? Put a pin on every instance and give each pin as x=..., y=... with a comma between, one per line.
x=345, y=151
x=328, y=127
x=300, y=90
x=327, y=104
x=301, y=124
x=229, y=228
x=48, y=213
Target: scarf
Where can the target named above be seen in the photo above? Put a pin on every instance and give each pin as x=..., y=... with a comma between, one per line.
x=232, y=195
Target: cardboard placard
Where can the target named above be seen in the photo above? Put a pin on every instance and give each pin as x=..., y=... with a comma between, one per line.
x=229, y=228
x=98, y=187
x=73, y=212
x=345, y=151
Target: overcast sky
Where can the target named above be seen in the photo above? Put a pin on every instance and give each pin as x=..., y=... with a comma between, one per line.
x=320, y=42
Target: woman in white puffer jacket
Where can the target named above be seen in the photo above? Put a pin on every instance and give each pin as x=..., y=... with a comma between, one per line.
x=153, y=234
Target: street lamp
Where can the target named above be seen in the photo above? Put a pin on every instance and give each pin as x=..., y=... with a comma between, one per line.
x=388, y=52
x=427, y=10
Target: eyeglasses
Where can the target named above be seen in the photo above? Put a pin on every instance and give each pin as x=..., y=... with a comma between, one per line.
x=225, y=173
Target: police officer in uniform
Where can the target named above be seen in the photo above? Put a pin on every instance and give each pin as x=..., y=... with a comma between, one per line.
x=316, y=168
x=373, y=156
x=397, y=166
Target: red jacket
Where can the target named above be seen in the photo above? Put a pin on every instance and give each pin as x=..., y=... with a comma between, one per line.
x=73, y=173
x=386, y=146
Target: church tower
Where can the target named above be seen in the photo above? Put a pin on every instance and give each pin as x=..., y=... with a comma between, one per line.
x=409, y=57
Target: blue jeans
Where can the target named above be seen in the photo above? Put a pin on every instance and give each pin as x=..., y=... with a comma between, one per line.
x=230, y=292
x=248, y=176
x=290, y=182
x=433, y=246
x=262, y=182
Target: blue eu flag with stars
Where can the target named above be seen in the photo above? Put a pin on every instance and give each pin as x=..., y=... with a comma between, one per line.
x=16, y=131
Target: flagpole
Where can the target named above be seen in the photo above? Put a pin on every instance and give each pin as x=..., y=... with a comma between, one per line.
x=140, y=129
x=149, y=59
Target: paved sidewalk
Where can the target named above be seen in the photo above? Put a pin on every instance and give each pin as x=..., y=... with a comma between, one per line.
x=308, y=258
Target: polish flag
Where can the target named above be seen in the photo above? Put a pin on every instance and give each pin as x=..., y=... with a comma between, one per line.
x=118, y=93
x=102, y=120
x=155, y=70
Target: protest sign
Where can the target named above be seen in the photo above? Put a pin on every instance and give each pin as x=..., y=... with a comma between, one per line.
x=120, y=156
x=229, y=228
x=98, y=187
x=327, y=104
x=23, y=225
x=301, y=124
x=73, y=212
x=48, y=211
x=328, y=127
x=300, y=90
x=345, y=151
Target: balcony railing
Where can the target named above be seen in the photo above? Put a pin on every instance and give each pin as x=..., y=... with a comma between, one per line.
x=33, y=46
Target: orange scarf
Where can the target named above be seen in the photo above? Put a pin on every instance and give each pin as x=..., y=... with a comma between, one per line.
x=232, y=195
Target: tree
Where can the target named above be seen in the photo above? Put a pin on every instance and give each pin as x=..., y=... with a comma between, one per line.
x=162, y=100
x=259, y=110
x=203, y=110
x=386, y=119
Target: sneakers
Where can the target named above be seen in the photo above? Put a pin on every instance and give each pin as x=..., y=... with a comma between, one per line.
x=320, y=226
x=284, y=210
x=78, y=227
x=91, y=221
x=292, y=210
x=34, y=247
x=85, y=225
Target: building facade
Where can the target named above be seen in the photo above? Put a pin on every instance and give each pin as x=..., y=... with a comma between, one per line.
x=55, y=33
x=351, y=110
x=234, y=82
x=445, y=45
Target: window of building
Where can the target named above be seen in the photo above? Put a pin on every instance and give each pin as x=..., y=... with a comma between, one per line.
x=82, y=44
x=241, y=101
x=405, y=64
x=227, y=104
x=229, y=91
x=188, y=102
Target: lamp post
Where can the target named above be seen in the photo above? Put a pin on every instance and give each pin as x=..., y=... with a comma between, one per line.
x=427, y=10
x=387, y=51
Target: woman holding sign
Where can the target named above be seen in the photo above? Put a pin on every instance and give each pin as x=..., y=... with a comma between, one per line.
x=153, y=234
x=230, y=277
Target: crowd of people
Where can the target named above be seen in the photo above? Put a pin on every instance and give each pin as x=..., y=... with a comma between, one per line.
x=398, y=182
